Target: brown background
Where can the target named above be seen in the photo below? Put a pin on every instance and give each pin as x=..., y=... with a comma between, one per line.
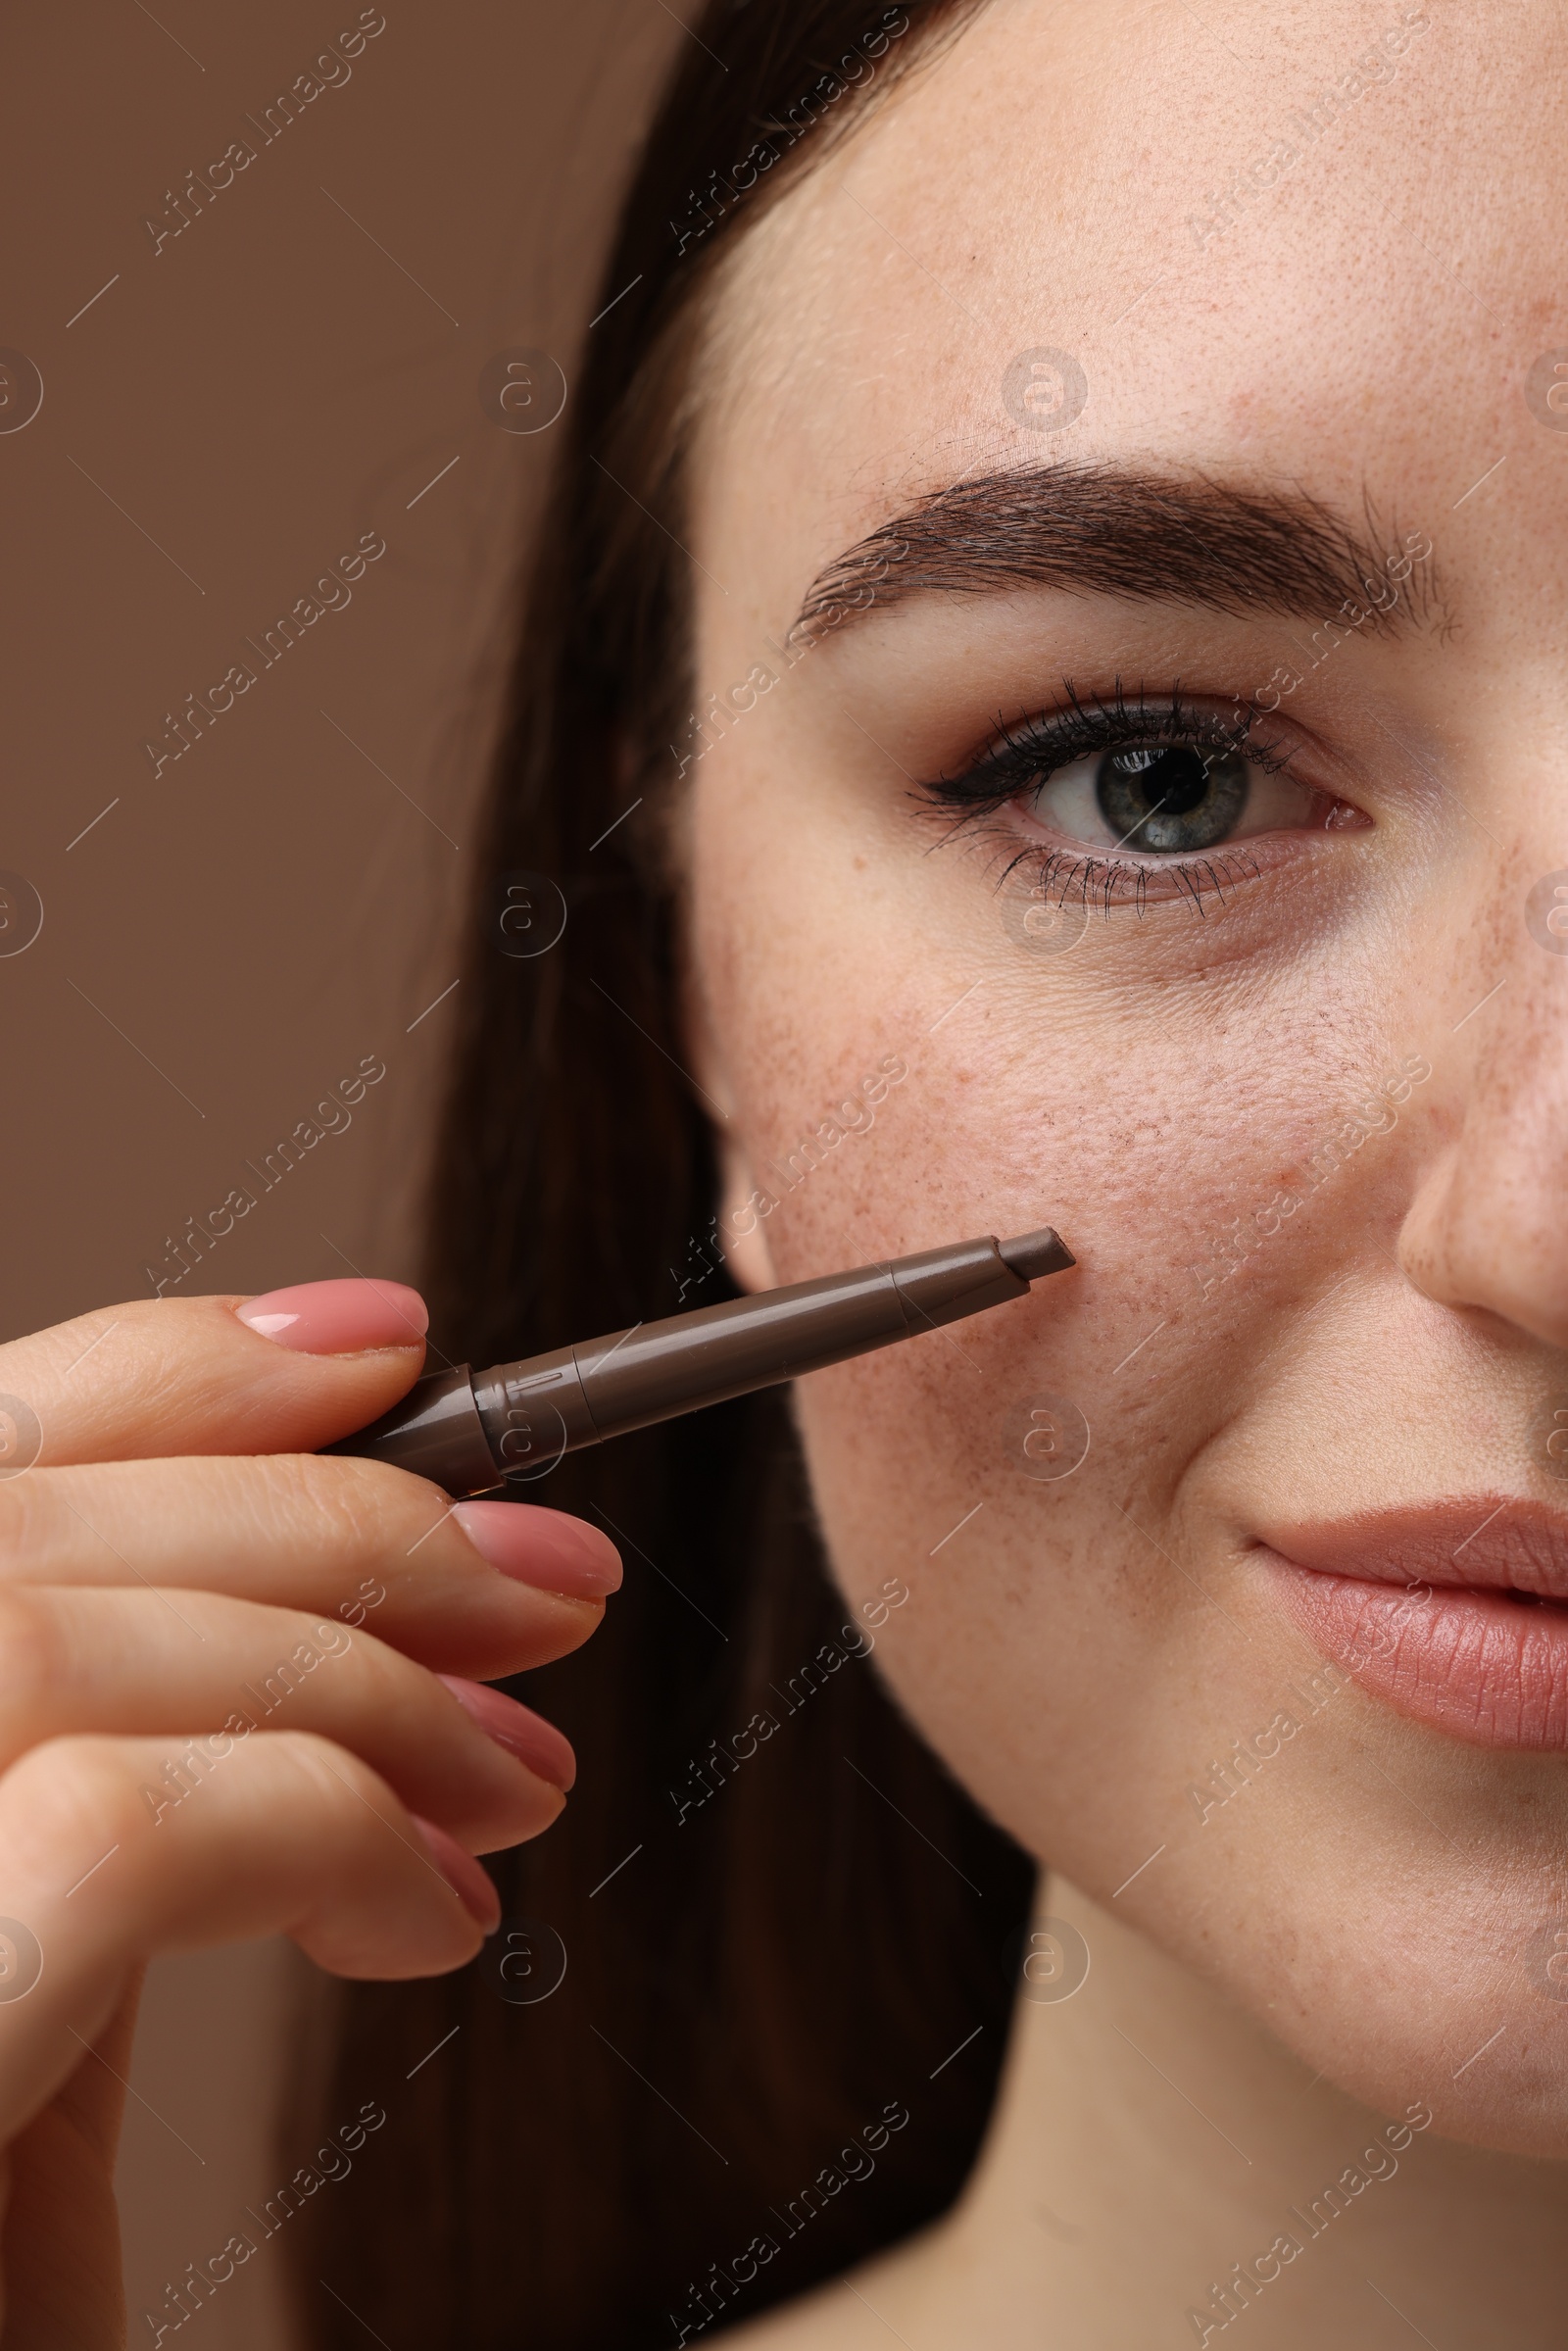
x=236, y=932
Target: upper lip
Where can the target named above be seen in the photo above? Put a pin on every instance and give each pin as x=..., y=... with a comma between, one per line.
x=1488, y=1542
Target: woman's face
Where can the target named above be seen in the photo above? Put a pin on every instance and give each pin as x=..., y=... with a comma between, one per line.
x=1241, y=965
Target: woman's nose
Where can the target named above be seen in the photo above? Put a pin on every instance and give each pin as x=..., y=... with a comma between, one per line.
x=1488, y=1227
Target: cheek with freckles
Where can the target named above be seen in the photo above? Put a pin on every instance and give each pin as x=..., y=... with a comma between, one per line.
x=1021, y=1469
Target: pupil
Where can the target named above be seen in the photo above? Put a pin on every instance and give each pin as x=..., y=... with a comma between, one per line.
x=1173, y=780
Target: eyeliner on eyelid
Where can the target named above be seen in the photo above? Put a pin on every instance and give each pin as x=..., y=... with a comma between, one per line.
x=1027, y=749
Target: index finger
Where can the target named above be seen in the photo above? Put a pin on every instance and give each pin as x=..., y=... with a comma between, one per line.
x=287, y=1372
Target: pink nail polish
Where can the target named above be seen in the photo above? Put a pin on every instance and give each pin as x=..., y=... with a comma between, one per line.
x=472, y=1884
x=338, y=1318
x=536, y=1744
x=543, y=1547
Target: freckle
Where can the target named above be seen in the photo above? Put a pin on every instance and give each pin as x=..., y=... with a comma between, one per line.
x=860, y=864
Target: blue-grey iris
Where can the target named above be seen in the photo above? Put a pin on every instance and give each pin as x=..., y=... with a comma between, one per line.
x=1173, y=797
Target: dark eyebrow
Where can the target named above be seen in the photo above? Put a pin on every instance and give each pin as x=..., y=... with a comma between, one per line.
x=1116, y=530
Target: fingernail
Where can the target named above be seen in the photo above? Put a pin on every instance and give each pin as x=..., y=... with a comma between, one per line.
x=471, y=1883
x=544, y=1547
x=338, y=1318
x=536, y=1744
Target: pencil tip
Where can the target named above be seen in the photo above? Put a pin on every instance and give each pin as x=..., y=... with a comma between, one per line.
x=1032, y=1255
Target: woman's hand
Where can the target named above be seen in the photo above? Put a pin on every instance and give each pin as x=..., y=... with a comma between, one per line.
x=240, y=1695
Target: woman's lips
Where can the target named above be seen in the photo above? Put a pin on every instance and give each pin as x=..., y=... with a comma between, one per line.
x=1455, y=1613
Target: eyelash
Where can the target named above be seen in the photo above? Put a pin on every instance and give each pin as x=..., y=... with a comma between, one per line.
x=1026, y=754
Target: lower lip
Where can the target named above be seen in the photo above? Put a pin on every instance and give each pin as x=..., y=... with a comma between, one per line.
x=1484, y=1666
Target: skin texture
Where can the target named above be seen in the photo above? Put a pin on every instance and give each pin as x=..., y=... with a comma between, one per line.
x=1359, y=1931
x=163, y=1783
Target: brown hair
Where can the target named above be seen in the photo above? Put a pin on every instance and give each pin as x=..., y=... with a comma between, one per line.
x=774, y=1937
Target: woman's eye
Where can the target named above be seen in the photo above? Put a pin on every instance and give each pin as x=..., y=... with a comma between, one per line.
x=1167, y=799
